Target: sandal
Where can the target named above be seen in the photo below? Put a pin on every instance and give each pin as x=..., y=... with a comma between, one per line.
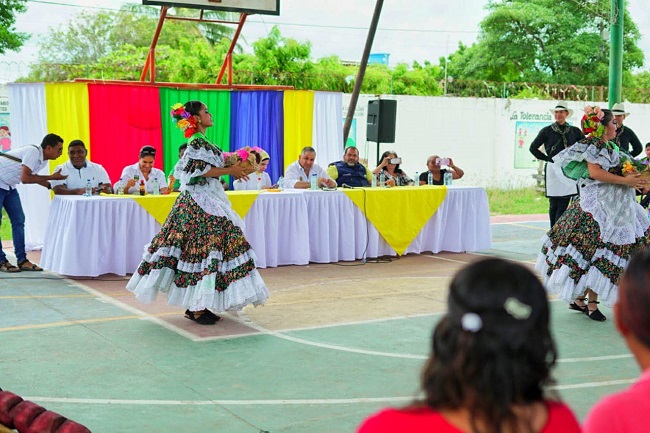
x=200, y=318
x=26, y=265
x=596, y=314
x=574, y=305
x=8, y=267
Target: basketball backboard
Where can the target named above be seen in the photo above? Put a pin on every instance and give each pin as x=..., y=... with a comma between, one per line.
x=266, y=7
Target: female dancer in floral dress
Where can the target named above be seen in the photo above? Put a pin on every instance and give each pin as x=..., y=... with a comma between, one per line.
x=584, y=254
x=200, y=258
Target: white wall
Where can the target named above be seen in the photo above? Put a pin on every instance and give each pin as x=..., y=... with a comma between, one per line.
x=481, y=135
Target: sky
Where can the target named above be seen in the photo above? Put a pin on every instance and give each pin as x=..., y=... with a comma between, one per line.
x=409, y=30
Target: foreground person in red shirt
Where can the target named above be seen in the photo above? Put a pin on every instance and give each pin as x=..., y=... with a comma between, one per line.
x=492, y=356
x=626, y=410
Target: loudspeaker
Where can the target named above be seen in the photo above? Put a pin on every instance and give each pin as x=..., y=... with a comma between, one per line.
x=381, y=121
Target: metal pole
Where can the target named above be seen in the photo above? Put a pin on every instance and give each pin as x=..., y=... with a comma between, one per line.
x=616, y=53
x=362, y=71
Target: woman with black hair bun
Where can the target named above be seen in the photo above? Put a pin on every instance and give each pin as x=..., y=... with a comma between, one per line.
x=200, y=259
x=490, y=363
x=586, y=251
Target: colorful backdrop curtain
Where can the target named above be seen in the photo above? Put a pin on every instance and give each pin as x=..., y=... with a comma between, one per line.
x=124, y=118
x=327, y=137
x=298, y=124
x=218, y=103
x=28, y=126
x=256, y=120
x=68, y=115
x=116, y=120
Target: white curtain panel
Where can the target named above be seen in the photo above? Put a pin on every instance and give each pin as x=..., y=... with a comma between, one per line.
x=28, y=123
x=327, y=136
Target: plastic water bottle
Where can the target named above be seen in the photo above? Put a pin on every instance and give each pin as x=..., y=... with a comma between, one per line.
x=120, y=187
x=382, y=180
x=314, y=180
x=448, y=178
x=155, y=186
x=89, y=189
x=430, y=179
x=258, y=186
x=416, y=179
x=374, y=181
x=281, y=183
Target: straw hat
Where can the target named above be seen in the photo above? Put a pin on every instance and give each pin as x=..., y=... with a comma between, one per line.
x=561, y=106
x=619, y=109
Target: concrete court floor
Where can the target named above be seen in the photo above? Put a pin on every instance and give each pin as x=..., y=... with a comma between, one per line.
x=334, y=343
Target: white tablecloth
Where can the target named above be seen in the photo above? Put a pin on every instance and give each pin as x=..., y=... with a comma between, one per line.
x=91, y=236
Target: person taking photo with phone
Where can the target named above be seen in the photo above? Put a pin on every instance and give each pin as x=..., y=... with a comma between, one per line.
x=435, y=165
x=388, y=164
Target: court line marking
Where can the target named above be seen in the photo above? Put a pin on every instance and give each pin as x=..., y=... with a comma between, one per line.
x=139, y=314
x=349, y=349
x=287, y=402
x=79, y=295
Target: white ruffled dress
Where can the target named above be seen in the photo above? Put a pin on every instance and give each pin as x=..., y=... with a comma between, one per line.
x=200, y=258
x=590, y=245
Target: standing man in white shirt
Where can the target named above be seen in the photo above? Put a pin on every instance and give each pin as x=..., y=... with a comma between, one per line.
x=297, y=174
x=20, y=165
x=79, y=170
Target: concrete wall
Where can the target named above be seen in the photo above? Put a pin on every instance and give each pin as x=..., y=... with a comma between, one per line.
x=487, y=138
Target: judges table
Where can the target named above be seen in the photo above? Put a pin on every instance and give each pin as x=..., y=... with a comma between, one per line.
x=91, y=236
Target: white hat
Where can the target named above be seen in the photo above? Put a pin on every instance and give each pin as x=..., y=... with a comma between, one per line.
x=619, y=109
x=561, y=106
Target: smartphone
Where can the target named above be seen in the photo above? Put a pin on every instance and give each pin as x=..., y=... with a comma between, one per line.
x=442, y=161
x=395, y=160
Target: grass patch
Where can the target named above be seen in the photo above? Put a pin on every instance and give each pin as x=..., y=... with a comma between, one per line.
x=5, y=227
x=517, y=201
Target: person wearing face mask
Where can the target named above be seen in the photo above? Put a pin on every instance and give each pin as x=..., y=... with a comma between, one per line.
x=257, y=180
x=585, y=252
x=350, y=171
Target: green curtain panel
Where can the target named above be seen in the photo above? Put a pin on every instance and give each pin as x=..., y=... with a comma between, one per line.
x=218, y=103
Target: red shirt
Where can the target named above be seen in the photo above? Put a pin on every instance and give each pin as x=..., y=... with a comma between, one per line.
x=427, y=420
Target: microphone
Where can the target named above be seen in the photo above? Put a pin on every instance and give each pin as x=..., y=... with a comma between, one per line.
x=345, y=185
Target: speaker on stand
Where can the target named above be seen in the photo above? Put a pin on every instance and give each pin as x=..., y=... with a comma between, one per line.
x=380, y=124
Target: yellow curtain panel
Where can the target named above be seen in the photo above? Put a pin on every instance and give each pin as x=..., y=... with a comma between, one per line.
x=68, y=115
x=298, y=123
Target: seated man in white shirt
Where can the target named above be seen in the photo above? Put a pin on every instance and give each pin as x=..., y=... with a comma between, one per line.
x=79, y=170
x=297, y=174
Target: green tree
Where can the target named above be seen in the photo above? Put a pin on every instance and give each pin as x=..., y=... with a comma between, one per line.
x=10, y=39
x=549, y=41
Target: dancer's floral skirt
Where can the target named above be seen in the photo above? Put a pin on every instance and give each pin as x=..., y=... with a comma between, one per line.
x=199, y=261
x=574, y=257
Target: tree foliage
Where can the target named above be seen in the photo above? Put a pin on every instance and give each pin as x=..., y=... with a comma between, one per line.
x=10, y=39
x=547, y=41
x=555, y=44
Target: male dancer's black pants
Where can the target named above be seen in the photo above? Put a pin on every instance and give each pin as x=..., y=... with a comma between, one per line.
x=556, y=207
